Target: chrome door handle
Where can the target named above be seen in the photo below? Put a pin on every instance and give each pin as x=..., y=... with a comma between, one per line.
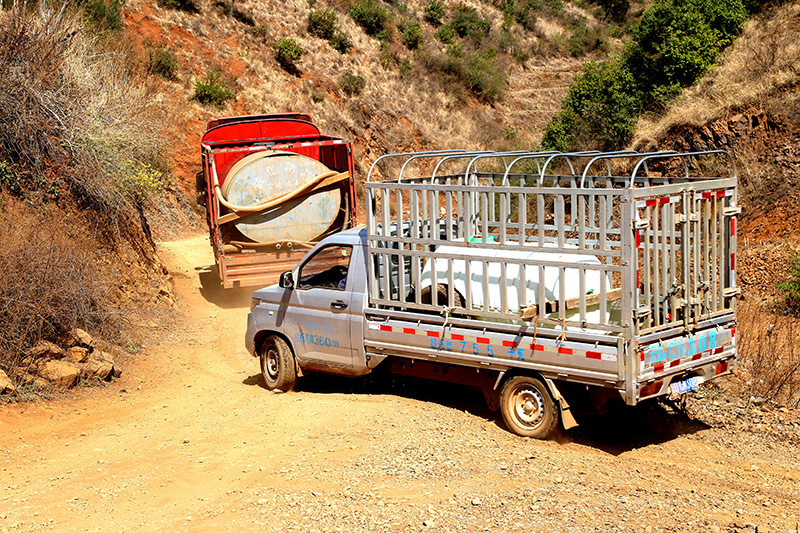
x=338, y=304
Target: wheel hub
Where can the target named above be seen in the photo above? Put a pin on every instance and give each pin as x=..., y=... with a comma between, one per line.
x=271, y=364
x=529, y=406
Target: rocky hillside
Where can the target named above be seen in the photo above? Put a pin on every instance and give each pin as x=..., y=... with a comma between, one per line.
x=495, y=87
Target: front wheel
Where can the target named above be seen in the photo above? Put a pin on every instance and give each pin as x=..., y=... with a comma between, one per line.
x=527, y=407
x=277, y=364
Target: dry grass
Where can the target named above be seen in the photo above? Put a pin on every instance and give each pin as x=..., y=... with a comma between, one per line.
x=765, y=58
x=80, y=150
x=51, y=283
x=769, y=355
x=71, y=106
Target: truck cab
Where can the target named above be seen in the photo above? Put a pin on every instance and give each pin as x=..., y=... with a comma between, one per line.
x=317, y=309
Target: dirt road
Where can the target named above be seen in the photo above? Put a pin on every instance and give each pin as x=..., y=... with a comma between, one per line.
x=188, y=440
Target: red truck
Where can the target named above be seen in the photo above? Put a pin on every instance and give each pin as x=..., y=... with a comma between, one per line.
x=273, y=186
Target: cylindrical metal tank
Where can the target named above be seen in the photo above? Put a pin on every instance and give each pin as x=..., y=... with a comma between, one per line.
x=265, y=175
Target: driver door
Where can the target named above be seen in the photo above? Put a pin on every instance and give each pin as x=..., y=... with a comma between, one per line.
x=321, y=308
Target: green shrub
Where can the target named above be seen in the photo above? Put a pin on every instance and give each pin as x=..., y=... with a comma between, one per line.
x=434, y=12
x=521, y=11
x=352, y=84
x=183, y=5
x=104, y=15
x=616, y=10
x=467, y=23
x=446, y=34
x=322, y=23
x=317, y=97
x=213, y=89
x=261, y=32
x=341, y=42
x=412, y=36
x=598, y=112
x=477, y=71
x=791, y=287
x=287, y=52
x=9, y=180
x=161, y=61
x=585, y=40
x=371, y=16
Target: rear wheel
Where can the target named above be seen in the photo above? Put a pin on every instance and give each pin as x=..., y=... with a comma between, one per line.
x=527, y=407
x=277, y=364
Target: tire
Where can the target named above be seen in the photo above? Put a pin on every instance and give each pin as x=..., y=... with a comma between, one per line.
x=527, y=407
x=277, y=364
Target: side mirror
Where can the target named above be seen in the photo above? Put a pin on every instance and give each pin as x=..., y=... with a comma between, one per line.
x=287, y=280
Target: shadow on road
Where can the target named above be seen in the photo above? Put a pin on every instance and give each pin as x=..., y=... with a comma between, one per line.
x=621, y=429
x=211, y=289
x=625, y=428
x=451, y=395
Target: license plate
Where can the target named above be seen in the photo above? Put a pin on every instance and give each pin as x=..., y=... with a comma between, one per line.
x=682, y=387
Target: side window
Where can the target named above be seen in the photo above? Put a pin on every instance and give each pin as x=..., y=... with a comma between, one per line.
x=327, y=268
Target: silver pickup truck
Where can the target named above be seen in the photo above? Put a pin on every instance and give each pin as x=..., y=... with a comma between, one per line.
x=546, y=282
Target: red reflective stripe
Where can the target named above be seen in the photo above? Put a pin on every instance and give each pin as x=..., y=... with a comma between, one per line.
x=733, y=331
x=706, y=195
x=638, y=238
x=664, y=200
x=483, y=340
x=718, y=350
x=676, y=362
x=720, y=194
x=537, y=347
x=386, y=328
x=659, y=367
x=597, y=355
x=457, y=337
x=509, y=344
x=641, y=356
x=696, y=356
x=733, y=261
x=565, y=351
x=433, y=334
x=733, y=226
x=651, y=202
x=411, y=331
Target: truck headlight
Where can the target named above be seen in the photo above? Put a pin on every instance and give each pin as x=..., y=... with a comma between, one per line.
x=254, y=303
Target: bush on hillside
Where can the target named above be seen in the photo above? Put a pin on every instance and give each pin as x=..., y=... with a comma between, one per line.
x=161, y=61
x=341, y=42
x=615, y=10
x=477, y=71
x=190, y=6
x=213, y=89
x=598, y=112
x=412, y=35
x=371, y=15
x=103, y=15
x=287, y=53
x=352, y=84
x=322, y=23
x=434, y=12
x=467, y=23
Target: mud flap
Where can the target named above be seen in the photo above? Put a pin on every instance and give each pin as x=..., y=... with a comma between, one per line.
x=567, y=420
